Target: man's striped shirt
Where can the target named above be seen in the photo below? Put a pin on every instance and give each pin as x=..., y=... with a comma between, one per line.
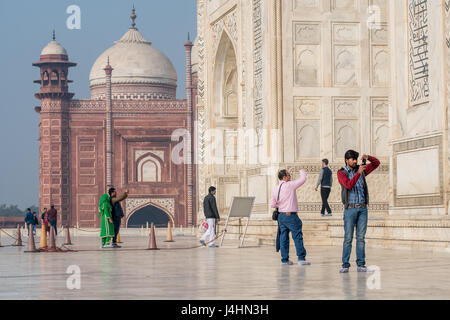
x=356, y=195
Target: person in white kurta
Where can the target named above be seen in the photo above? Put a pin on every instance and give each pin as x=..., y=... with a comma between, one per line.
x=211, y=215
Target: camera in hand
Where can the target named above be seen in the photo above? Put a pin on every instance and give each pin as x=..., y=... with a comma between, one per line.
x=364, y=162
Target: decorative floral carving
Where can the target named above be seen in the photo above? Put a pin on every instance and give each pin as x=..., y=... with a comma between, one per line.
x=167, y=204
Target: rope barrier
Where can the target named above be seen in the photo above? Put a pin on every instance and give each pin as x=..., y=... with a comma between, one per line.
x=63, y=248
x=84, y=230
x=1, y=229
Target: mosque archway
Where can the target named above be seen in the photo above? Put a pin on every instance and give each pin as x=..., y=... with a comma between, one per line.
x=148, y=214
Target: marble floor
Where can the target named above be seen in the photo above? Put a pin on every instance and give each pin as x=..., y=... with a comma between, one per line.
x=252, y=272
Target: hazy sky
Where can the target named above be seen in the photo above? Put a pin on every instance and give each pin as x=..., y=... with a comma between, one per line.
x=26, y=28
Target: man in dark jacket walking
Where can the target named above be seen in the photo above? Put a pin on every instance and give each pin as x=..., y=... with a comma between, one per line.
x=211, y=215
x=325, y=182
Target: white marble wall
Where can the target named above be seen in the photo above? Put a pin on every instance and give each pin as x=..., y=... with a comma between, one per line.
x=418, y=114
x=324, y=88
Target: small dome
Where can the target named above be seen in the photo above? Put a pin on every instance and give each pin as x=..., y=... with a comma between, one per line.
x=134, y=61
x=54, y=48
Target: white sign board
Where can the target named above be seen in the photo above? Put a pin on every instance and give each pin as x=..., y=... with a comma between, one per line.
x=241, y=207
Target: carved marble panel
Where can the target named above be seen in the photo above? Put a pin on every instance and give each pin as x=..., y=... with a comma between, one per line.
x=307, y=139
x=307, y=108
x=231, y=190
x=231, y=144
x=346, y=32
x=346, y=66
x=346, y=108
x=425, y=180
x=380, y=35
x=346, y=136
x=380, y=138
x=380, y=66
x=307, y=65
x=309, y=4
x=381, y=6
x=307, y=33
x=380, y=108
x=257, y=187
x=344, y=4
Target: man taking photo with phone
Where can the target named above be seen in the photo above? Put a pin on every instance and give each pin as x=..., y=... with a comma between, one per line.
x=355, y=197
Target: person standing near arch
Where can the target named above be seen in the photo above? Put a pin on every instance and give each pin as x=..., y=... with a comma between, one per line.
x=117, y=212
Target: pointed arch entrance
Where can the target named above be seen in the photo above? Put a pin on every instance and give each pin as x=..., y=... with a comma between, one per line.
x=158, y=212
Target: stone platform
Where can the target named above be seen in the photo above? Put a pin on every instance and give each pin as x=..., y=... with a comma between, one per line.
x=252, y=272
x=400, y=232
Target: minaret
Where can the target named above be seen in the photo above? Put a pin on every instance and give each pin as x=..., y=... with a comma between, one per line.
x=190, y=172
x=54, y=162
x=109, y=152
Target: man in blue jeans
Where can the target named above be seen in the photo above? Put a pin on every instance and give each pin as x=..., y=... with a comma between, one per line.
x=355, y=197
x=284, y=197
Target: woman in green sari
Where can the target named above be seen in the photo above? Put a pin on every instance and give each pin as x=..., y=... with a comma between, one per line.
x=107, y=226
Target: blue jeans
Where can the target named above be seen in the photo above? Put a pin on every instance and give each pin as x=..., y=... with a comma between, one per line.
x=293, y=224
x=354, y=217
x=53, y=224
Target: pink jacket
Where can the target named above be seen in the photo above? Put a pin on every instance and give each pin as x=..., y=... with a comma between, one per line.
x=288, y=195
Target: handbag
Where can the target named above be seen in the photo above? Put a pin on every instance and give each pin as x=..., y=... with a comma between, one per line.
x=276, y=212
x=204, y=226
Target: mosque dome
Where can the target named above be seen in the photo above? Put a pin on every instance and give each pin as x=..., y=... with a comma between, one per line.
x=140, y=71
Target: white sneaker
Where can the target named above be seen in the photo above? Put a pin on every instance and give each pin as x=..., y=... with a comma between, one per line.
x=303, y=263
x=287, y=263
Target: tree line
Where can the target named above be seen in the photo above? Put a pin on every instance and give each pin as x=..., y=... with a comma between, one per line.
x=14, y=210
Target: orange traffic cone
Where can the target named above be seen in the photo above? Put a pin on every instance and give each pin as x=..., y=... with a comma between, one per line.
x=67, y=240
x=52, y=239
x=18, y=242
x=152, y=240
x=31, y=245
x=43, y=243
x=169, y=233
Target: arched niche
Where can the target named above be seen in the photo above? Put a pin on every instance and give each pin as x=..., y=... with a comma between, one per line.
x=45, y=79
x=225, y=83
x=54, y=78
x=149, y=168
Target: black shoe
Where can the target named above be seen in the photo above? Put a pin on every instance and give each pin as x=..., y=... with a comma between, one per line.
x=115, y=245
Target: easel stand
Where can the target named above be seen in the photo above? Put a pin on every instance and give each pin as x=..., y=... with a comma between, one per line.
x=241, y=207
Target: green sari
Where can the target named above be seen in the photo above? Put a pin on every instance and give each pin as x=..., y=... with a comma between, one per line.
x=107, y=228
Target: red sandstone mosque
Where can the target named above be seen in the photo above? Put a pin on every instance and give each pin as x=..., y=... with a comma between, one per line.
x=121, y=137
